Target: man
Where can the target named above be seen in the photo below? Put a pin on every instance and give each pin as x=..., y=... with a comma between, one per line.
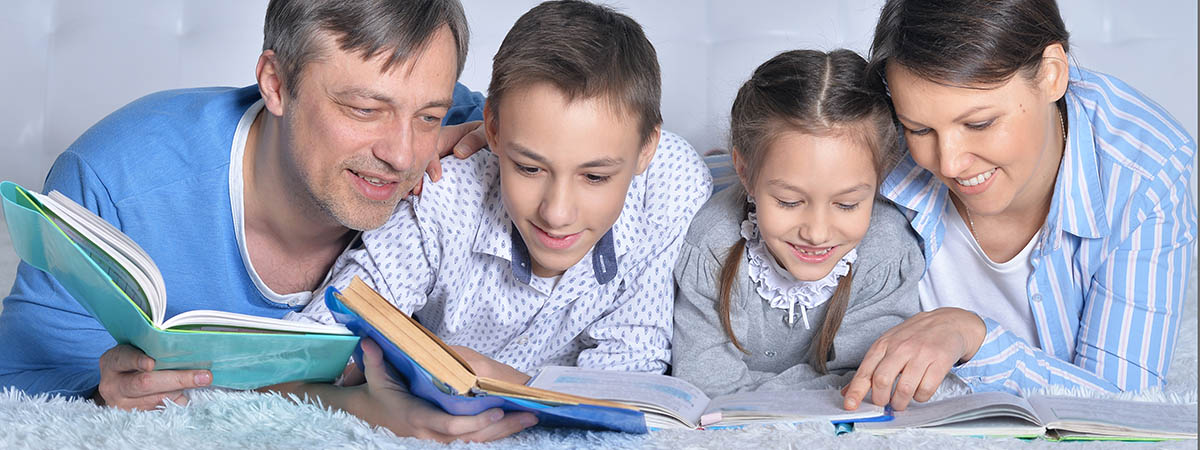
x=245, y=197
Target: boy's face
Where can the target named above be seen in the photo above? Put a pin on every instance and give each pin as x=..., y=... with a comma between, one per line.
x=565, y=168
x=359, y=138
x=813, y=195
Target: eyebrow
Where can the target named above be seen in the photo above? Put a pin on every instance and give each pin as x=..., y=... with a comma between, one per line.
x=960, y=117
x=380, y=97
x=602, y=162
x=785, y=185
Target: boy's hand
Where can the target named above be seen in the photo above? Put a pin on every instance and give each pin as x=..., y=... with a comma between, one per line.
x=490, y=368
x=128, y=381
x=462, y=140
x=381, y=402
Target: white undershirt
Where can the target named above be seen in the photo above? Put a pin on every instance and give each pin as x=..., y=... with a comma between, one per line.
x=961, y=275
x=236, y=201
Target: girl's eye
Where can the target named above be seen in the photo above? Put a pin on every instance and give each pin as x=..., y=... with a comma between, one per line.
x=980, y=125
x=847, y=206
x=784, y=204
x=597, y=179
x=528, y=170
x=920, y=132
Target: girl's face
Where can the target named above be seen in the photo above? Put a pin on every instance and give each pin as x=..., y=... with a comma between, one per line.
x=997, y=149
x=813, y=196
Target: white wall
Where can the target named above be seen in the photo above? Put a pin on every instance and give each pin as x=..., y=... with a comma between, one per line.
x=67, y=63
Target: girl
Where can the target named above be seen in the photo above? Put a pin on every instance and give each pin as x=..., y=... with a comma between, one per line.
x=1052, y=202
x=771, y=271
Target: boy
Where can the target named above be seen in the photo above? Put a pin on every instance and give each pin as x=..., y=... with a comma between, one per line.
x=557, y=247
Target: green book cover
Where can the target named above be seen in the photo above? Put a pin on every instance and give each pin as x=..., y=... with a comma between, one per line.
x=92, y=261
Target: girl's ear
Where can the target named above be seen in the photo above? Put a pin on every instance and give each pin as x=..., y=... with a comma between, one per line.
x=739, y=166
x=1054, y=73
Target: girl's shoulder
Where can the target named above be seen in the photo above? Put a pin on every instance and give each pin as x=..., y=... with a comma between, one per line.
x=890, y=235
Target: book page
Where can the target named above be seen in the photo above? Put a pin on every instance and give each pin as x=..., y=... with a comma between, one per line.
x=667, y=395
x=1135, y=419
x=786, y=406
x=959, y=409
x=209, y=320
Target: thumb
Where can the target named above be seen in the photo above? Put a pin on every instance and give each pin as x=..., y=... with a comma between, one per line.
x=373, y=365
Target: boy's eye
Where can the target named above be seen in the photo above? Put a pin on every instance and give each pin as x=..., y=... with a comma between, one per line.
x=597, y=179
x=847, y=206
x=528, y=170
x=980, y=125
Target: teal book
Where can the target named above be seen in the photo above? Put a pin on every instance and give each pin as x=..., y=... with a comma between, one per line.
x=116, y=281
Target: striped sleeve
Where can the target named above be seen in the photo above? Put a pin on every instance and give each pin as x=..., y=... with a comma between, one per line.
x=1005, y=362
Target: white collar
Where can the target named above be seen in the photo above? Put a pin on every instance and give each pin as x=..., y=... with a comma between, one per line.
x=778, y=287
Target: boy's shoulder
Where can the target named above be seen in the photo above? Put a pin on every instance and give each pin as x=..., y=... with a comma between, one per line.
x=467, y=187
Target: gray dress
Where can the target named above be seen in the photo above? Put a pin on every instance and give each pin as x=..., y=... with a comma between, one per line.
x=884, y=293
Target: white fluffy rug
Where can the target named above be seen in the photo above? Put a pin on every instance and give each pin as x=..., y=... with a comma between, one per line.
x=220, y=419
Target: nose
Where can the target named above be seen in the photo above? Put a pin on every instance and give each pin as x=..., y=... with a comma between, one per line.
x=953, y=157
x=814, y=228
x=401, y=148
x=557, y=210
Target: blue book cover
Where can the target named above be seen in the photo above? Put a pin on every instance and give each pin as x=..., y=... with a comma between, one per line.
x=422, y=384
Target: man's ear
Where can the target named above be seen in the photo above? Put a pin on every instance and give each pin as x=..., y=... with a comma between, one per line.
x=646, y=153
x=739, y=167
x=270, y=82
x=1054, y=73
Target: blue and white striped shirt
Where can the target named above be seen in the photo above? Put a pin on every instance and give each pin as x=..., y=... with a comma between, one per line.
x=1111, y=263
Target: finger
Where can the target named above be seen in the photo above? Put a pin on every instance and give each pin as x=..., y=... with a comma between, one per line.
x=373, y=367
x=157, y=383
x=434, y=170
x=509, y=425
x=455, y=426
x=856, y=391
x=885, y=376
x=125, y=358
x=416, y=190
x=471, y=143
x=906, y=384
x=932, y=380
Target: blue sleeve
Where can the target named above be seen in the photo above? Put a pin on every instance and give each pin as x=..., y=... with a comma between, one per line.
x=52, y=345
x=468, y=106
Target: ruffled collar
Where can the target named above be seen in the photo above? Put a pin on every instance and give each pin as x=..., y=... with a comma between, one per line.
x=778, y=287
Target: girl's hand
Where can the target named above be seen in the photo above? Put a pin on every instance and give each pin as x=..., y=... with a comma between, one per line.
x=488, y=367
x=915, y=356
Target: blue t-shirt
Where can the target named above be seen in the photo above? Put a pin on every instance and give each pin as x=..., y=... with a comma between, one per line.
x=157, y=169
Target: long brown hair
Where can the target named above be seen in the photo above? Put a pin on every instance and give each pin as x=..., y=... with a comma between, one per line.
x=814, y=93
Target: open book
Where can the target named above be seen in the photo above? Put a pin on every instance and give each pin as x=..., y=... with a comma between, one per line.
x=116, y=281
x=1047, y=417
x=434, y=372
x=564, y=396
x=670, y=402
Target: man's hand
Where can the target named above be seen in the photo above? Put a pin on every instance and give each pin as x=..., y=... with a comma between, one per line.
x=463, y=140
x=915, y=355
x=490, y=368
x=128, y=380
x=382, y=402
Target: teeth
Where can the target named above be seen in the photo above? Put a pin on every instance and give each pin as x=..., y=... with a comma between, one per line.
x=374, y=181
x=822, y=252
x=975, y=180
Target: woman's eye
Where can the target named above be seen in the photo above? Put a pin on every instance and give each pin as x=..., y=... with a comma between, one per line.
x=980, y=125
x=920, y=132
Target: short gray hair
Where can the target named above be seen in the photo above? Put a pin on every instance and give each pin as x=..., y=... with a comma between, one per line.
x=403, y=27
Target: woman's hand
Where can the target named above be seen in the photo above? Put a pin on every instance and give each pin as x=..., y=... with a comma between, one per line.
x=915, y=356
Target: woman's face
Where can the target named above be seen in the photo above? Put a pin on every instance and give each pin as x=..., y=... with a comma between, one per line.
x=996, y=147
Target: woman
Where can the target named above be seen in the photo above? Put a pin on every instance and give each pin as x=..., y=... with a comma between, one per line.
x=1052, y=202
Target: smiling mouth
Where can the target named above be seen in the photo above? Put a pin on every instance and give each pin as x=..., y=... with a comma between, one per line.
x=372, y=180
x=975, y=180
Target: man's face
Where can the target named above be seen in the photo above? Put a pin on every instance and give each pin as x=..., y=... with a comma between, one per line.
x=359, y=138
x=565, y=168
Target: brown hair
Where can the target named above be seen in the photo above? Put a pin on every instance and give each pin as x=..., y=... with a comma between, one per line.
x=815, y=93
x=966, y=42
x=585, y=51
x=293, y=28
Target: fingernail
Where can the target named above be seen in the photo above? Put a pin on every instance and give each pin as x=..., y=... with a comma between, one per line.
x=202, y=379
x=852, y=403
x=529, y=420
x=495, y=416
